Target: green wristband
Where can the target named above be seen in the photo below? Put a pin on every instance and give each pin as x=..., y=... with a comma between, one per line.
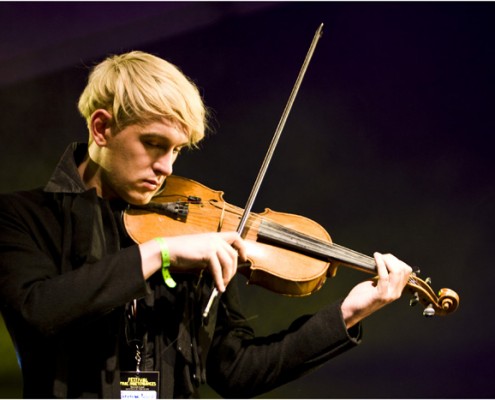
x=167, y=278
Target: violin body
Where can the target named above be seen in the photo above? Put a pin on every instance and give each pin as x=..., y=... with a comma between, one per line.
x=287, y=254
x=276, y=268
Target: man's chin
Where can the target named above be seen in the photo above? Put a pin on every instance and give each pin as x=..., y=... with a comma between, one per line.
x=139, y=199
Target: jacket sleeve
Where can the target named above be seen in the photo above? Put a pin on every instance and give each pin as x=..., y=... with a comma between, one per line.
x=32, y=288
x=242, y=365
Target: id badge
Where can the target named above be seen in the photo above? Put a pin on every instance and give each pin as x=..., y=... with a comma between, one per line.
x=139, y=385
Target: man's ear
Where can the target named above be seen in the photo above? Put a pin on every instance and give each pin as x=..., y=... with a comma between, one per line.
x=100, y=126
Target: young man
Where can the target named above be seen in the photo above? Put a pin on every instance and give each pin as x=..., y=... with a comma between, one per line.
x=93, y=314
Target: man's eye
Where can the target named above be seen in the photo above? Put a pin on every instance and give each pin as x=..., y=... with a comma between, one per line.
x=162, y=147
x=153, y=144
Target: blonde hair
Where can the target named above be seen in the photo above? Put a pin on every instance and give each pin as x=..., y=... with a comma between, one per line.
x=138, y=87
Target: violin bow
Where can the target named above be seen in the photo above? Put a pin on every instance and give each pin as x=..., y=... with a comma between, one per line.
x=271, y=149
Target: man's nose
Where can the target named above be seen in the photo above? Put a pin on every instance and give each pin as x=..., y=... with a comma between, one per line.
x=164, y=164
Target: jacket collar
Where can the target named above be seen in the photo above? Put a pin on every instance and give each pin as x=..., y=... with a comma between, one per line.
x=65, y=177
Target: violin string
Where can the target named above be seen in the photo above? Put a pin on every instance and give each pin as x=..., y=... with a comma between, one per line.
x=339, y=252
x=306, y=242
x=295, y=239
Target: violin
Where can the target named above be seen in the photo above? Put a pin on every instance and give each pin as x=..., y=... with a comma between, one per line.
x=288, y=254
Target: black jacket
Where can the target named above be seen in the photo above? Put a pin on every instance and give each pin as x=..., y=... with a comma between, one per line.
x=68, y=272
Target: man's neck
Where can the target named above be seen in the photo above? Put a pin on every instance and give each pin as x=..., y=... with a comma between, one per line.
x=89, y=172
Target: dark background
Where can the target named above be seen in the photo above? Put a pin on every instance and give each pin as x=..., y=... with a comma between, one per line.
x=389, y=146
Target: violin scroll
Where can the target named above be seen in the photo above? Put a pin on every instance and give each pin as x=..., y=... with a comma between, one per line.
x=446, y=302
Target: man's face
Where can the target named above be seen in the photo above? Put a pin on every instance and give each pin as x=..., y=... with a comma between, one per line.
x=136, y=161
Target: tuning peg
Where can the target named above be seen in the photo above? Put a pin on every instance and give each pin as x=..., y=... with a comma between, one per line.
x=429, y=311
x=414, y=300
x=428, y=281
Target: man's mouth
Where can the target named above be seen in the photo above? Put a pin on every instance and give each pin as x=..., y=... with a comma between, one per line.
x=152, y=184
